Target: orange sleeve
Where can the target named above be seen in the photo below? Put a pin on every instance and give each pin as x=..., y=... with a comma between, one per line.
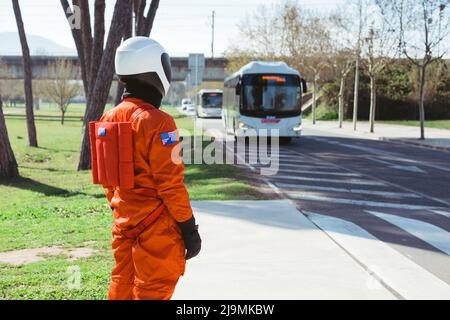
x=168, y=173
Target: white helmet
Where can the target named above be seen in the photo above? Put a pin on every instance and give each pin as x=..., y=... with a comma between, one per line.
x=144, y=59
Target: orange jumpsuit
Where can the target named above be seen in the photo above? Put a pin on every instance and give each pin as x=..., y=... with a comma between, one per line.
x=149, y=267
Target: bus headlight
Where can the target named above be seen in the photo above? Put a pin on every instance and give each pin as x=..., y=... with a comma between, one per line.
x=244, y=126
x=298, y=128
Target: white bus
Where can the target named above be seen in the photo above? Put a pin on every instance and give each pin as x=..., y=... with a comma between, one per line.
x=209, y=103
x=264, y=95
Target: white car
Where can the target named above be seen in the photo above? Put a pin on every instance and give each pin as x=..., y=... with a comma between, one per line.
x=189, y=109
x=185, y=103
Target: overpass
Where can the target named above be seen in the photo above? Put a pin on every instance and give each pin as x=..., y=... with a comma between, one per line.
x=194, y=69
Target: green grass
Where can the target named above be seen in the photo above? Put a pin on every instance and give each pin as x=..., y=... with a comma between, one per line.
x=438, y=124
x=51, y=109
x=323, y=113
x=183, y=122
x=54, y=205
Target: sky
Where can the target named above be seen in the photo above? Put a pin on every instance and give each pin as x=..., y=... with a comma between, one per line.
x=182, y=26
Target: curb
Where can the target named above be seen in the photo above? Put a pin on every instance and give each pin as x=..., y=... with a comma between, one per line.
x=414, y=143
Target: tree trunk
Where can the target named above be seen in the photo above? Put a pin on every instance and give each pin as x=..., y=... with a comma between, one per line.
x=373, y=102
x=104, y=78
x=32, y=138
x=341, y=101
x=8, y=163
x=423, y=70
x=98, y=41
x=76, y=34
x=86, y=38
x=150, y=18
x=356, y=95
x=62, y=117
x=127, y=34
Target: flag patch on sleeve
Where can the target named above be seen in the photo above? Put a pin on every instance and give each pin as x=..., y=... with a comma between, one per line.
x=101, y=132
x=169, y=138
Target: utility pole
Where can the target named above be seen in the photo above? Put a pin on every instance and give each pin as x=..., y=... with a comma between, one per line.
x=212, y=34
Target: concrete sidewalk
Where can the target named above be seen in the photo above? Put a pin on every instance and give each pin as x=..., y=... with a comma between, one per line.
x=269, y=250
x=438, y=139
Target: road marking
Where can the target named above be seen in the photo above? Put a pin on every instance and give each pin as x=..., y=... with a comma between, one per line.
x=408, y=168
x=442, y=213
x=366, y=149
x=406, y=278
x=341, y=174
x=393, y=155
x=414, y=169
x=363, y=203
x=348, y=181
x=433, y=235
x=291, y=156
x=306, y=166
x=357, y=191
x=300, y=161
x=270, y=154
x=446, y=203
x=266, y=156
x=434, y=166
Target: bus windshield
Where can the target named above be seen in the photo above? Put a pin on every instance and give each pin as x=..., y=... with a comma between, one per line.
x=212, y=100
x=271, y=95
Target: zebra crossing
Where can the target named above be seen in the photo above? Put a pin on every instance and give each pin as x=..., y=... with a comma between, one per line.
x=416, y=226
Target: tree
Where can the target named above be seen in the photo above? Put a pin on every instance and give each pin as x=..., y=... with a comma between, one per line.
x=8, y=163
x=344, y=53
x=61, y=89
x=128, y=32
x=357, y=65
x=308, y=41
x=97, y=62
x=422, y=28
x=343, y=63
x=32, y=138
x=380, y=45
x=12, y=92
x=143, y=27
x=375, y=63
x=144, y=23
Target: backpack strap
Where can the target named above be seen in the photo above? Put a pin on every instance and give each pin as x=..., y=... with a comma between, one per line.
x=142, y=108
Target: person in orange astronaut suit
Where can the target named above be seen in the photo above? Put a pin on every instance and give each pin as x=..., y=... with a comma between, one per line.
x=154, y=230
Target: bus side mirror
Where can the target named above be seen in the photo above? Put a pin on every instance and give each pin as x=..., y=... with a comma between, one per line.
x=304, y=86
x=238, y=88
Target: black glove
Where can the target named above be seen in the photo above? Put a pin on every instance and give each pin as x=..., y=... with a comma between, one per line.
x=191, y=237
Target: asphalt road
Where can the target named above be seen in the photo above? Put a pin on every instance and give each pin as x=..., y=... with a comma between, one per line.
x=399, y=194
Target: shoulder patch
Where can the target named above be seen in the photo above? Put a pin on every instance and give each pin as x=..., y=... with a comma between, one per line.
x=169, y=138
x=102, y=132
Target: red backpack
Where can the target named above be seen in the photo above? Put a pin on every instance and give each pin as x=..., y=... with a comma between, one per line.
x=112, y=151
